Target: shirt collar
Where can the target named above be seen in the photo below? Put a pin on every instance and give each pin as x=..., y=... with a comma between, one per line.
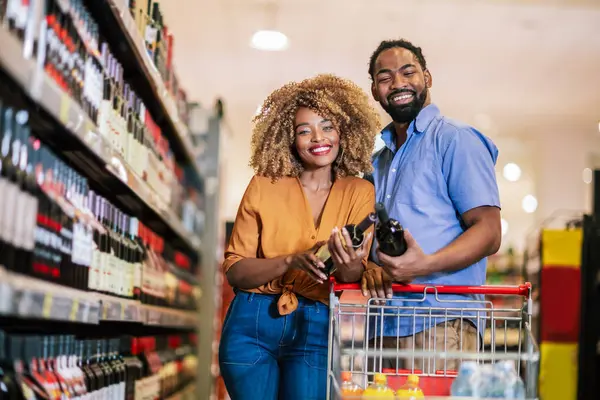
x=418, y=125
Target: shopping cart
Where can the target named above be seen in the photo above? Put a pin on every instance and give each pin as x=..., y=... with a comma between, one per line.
x=357, y=345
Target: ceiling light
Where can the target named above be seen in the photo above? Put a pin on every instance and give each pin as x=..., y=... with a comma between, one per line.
x=529, y=203
x=512, y=172
x=587, y=175
x=504, y=225
x=269, y=41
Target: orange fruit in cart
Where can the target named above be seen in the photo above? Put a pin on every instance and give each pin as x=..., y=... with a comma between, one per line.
x=410, y=390
x=349, y=389
x=379, y=389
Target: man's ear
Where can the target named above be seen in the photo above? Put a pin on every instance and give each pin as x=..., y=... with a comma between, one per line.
x=428, y=79
x=374, y=92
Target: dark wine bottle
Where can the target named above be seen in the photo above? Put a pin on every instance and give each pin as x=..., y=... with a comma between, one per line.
x=9, y=160
x=389, y=233
x=357, y=234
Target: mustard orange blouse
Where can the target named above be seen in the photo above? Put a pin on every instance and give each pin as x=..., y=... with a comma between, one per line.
x=275, y=219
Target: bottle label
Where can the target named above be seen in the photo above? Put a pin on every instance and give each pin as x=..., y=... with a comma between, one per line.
x=137, y=275
x=102, y=282
x=122, y=277
x=113, y=272
x=151, y=35
x=19, y=220
x=94, y=273
x=10, y=200
x=31, y=223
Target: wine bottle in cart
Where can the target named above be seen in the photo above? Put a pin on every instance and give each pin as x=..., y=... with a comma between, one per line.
x=389, y=233
x=357, y=234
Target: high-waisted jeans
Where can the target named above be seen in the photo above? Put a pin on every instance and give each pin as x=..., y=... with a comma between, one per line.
x=264, y=355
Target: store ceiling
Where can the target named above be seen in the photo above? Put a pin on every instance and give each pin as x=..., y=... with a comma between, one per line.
x=511, y=65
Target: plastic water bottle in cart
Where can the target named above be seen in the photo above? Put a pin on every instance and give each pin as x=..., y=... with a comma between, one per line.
x=513, y=385
x=463, y=385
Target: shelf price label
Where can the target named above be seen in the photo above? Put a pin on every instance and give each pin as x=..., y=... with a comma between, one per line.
x=74, y=310
x=47, y=307
x=65, y=107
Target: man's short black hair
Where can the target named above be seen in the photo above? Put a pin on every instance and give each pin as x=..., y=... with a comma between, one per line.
x=392, y=44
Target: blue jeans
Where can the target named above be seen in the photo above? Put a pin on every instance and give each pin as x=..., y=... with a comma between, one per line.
x=263, y=355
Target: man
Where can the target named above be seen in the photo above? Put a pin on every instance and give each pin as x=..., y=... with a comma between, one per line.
x=435, y=176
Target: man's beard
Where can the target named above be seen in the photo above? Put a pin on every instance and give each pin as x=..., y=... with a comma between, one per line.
x=405, y=113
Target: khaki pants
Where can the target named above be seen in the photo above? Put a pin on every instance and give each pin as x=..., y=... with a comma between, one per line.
x=453, y=336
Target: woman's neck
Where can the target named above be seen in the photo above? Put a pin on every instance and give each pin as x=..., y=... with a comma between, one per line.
x=317, y=179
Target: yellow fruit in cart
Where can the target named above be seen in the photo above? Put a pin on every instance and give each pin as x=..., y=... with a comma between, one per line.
x=410, y=390
x=349, y=390
x=379, y=389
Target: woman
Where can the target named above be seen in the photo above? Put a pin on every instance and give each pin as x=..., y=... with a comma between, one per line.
x=310, y=141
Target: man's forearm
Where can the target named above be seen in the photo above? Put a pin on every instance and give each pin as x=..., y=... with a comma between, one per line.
x=478, y=241
x=251, y=273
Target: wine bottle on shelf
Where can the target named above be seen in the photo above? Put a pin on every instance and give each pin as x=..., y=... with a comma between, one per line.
x=129, y=256
x=10, y=190
x=99, y=378
x=64, y=180
x=55, y=216
x=138, y=257
x=43, y=250
x=357, y=234
x=119, y=367
x=105, y=249
x=389, y=233
x=130, y=351
x=120, y=267
x=9, y=387
x=24, y=208
x=32, y=207
x=85, y=364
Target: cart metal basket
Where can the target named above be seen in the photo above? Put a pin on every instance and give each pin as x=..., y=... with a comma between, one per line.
x=500, y=316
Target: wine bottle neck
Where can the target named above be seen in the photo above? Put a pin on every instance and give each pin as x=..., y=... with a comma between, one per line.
x=366, y=223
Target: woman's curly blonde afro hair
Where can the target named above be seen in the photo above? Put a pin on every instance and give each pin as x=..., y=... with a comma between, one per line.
x=331, y=97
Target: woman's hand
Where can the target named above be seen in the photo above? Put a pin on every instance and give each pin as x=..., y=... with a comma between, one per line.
x=345, y=257
x=308, y=262
x=377, y=284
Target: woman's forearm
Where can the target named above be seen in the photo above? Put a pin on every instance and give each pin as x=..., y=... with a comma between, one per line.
x=251, y=273
x=351, y=274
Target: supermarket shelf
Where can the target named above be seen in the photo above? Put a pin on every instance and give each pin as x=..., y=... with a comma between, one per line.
x=132, y=53
x=32, y=298
x=41, y=89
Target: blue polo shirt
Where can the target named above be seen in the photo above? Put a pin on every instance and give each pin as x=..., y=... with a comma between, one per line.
x=444, y=169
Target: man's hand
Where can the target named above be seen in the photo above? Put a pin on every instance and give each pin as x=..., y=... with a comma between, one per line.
x=377, y=283
x=408, y=266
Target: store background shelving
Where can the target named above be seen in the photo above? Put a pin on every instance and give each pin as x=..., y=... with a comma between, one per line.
x=110, y=169
x=60, y=122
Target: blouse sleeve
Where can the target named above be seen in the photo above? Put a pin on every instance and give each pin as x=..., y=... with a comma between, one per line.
x=365, y=204
x=244, y=239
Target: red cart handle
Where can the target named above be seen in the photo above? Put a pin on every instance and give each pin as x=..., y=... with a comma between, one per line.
x=520, y=290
